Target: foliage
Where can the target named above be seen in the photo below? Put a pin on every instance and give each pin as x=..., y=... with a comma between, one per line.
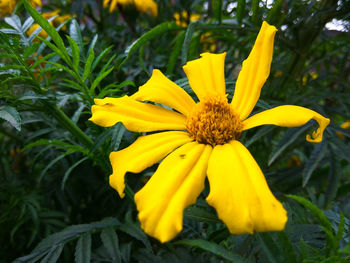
x=56, y=205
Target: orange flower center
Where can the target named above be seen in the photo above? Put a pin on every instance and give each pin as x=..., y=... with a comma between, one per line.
x=213, y=121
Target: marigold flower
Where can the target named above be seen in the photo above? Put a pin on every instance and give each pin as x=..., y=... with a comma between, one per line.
x=143, y=6
x=200, y=140
x=8, y=6
x=183, y=19
x=56, y=21
x=345, y=125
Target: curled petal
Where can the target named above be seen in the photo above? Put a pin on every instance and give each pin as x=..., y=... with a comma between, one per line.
x=175, y=185
x=160, y=89
x=143, y=153
x=255, y=71
x=136, y=116
x=206, y=75
x=289, y=116
x=239, y=192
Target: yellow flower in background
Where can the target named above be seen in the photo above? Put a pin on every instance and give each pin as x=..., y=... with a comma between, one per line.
x=278, y=74
x=182, y=20
x=344, y=125
x=294, y=161
x=199, y=140
x=8, y=6
x=55, y=22
x=208, y=43
x=143, y=6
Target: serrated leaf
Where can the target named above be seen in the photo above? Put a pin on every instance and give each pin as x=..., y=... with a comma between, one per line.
x=212, y=248
x=110, y=242
x=12, y=116
x=99, y=78
x=66, y=235
x=315, y=211
x=135, y=231
x=88, y=64
x=14, y=22
x=75, y=34
x=53, y=255
x=83, y=249
x=50, y=30
x=311, y=164
x=75, y=52
x=117, y=135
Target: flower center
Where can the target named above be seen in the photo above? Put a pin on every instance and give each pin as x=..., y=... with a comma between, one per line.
x=213, y=121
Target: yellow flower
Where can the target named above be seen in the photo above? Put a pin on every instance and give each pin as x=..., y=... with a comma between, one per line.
x=57, y=21
x=294, y=161
x=182, y=20
x=207, y=42
x=278, y=74
x=7, y=7
x=200, y=140
x=143, y=6
x=344, y=125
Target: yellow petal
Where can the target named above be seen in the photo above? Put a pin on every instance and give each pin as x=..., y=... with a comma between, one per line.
x=289, y=116
x=113, y=5
x=255, y=71
x=239, y=192
x=144, y=152
x=105, y=3
x=206, y=75
x=175, y=185
x=136, y=116
x=161, y=90
x=147, y=6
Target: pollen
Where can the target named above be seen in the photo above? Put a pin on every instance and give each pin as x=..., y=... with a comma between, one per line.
x=213, y=121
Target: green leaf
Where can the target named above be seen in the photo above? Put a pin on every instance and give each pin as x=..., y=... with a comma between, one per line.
x=110, y=242
x=99, y=78
x=75, y=53
x=187, y=41
x=87, y=68
x=217, y=9
x=255, y=10
x=75, y=34
x=66, y=235
x=315, y=158
x=154, y=32
x=11, y=115
x=291, y=136
x=53, y=255
x=175, y=53
x=117, y=135
x=135, y=231
x=83, y=249
x=287, y=247
x=240, y=10
x=212, y=248
x=70, y=169
x=269, y=247
x=274, y=13
x=50, y=30
x=200, y=215
x=315, y=211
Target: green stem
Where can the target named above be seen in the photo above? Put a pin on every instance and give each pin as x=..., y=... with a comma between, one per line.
x=67, y=123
